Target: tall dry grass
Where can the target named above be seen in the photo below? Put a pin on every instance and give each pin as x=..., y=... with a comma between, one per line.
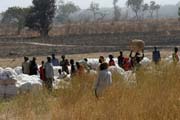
x=156, y=96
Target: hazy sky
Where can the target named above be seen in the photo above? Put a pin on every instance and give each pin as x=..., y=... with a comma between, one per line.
x=4, y=4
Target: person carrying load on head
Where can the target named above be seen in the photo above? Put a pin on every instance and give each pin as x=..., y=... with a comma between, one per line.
x=135, y=61
x=136, y=46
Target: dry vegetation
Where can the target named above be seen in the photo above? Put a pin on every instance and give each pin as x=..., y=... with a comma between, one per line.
x=99, y=28
x=156, y=96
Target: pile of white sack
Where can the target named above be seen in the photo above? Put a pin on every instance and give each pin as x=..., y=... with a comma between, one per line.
x=94, y=62
x=32, y=83
x=23, y=82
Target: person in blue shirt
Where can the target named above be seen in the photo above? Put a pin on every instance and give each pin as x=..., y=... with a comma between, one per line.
x=156, y=56
x=55, y=61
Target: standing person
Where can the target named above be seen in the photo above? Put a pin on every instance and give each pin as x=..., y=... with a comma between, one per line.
x=101, y=59
x=175, y=55
x=104, y=79
x=156, y=56
x=111, y=61
x=42, y=71
x=26, y=66
x=80, y=68
x=121, y=59
x=49, y=74
x=55, y=61
x=73, y=68
x=64, y=63
x=84, y=62
x=33, y=67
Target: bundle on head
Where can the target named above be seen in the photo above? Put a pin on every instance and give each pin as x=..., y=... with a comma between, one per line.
x=136, y=45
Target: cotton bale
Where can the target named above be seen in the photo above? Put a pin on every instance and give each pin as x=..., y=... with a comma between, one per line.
x=137, y=45
x=18, y=70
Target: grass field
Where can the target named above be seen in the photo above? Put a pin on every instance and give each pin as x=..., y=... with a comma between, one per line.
x=156, y=96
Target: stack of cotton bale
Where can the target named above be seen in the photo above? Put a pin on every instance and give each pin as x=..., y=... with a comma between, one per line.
x=7, y=83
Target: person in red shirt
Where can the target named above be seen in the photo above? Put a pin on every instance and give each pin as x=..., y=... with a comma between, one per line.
x=127, y=64
x=42, y=71
x=111, y=61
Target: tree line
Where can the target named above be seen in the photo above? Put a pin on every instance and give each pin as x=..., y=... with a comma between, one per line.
x=40, y=16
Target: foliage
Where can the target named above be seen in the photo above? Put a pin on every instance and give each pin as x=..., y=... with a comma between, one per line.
x=117, y=10
x=153, y=7
x=64, y=10
x=16, y=16
x=135, y=5
x=94, y=8
x=41, y=16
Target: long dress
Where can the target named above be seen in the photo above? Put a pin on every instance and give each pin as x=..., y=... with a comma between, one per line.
x=103, y=81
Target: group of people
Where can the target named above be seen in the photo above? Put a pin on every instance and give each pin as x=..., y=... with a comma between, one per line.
x=46, y=70
x=104, y=78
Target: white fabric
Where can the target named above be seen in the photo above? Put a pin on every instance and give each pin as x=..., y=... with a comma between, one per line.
x=27, y=83
x=104, y=80
x=145, y=61
x=18, y=70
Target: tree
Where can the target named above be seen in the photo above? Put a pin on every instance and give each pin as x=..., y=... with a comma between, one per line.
x=135, y=5
x=64, y=10
x=41, y=16
x=157, y=7
x=179, y=11
x=117, y=10
x=152, y=8
x=94, y=7
x=145, y=8
x=15, y=16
